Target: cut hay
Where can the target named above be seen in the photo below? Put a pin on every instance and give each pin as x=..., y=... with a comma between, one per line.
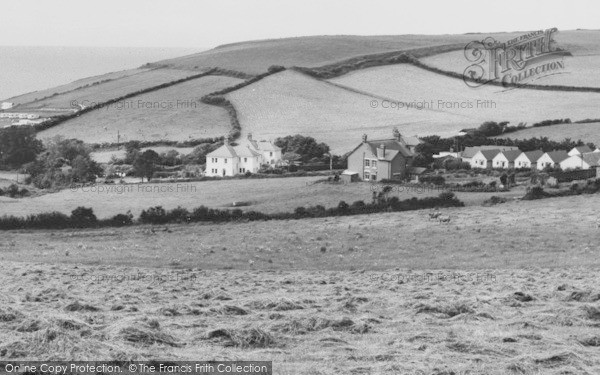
x=77, y=306
x=282, y=304
x=243, y=338
x=313, y=324
x=146, y=336
x=450, y=310
x=8, y=314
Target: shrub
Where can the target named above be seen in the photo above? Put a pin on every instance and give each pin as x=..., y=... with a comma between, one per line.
x=120, y=220
x=83, y=217
x=431, y=179
x=154, y=215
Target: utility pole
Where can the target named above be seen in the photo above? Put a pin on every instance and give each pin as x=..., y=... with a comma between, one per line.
x=118, y=140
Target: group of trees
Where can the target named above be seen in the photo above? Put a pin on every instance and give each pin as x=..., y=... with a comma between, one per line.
x=62, y=163
x=300, y=148
x=18, y=146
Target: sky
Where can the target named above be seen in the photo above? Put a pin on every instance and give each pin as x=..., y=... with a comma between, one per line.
x=204, y=24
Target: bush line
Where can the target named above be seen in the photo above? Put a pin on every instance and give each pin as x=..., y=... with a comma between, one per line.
x=83, y=217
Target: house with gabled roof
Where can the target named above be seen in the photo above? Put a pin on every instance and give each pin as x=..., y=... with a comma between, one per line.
x=483, y=159
x=248, y=156
x=579, y=150
x=551, y=159
x=585, y=161
x=505, y=159
x=528, y=159
x=467, y=154
x=381, y=159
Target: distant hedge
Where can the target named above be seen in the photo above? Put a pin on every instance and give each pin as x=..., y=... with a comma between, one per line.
x=83, y=217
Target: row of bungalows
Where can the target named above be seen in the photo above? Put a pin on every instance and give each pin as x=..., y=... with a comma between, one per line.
x=502, y=157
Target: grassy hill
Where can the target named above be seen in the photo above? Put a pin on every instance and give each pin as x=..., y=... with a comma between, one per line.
x=174, y=113
x=588, y=132
x=290, y=102
x=408, y=83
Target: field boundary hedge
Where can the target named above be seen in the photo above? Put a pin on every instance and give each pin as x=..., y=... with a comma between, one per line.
x=83, y=217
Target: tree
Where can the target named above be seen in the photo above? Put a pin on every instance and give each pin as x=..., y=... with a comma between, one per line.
x=18, y=146
x=85, y=169
x=144, y=164
x=306, y=147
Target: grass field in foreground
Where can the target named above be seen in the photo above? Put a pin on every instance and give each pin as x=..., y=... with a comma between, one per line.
x=589, y=132
x=174, y=113
x=500, y=290
x=268, y=195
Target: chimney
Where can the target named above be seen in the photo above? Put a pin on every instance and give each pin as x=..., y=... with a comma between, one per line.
x=397, y=135
x=226, y=141
x=364, y=138
x=249, y=136
x=381, y=152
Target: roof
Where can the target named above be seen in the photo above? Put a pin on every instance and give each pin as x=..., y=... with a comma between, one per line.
x=417, y=170
x=263, y=145
x=592, y=158
x=469, y=152
x=511, y=155
x=489, y=154
x=534, y=155
x=229, y=151
x=392, y=148
x=557, y=156
x=349, y=172
x=412, y=141
x=582, y=149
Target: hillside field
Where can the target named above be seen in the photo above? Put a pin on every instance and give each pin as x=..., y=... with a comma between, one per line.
x=589, y=132
x=504, y=289
x=105, y=91
x=407, y=83
x=173, y=113
x=580, y=70
x=78, y=84
x=293, y=103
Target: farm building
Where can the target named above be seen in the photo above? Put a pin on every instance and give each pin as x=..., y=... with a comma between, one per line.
x=229, y=160
x=579, y=150
x=483, y=159
x=467, y=154
x=381, y=159
x=528, y=159
x=506, y=159
x=551, y=159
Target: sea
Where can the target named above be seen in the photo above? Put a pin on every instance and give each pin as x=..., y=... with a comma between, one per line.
x=25, y=69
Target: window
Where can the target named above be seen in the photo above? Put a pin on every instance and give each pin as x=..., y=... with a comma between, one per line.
x=374, y=163
x=374, y=177
x=367, y=176
x=245, y=160
x=270, y=153
x=367, y=163
x=242, y=170
x=225, y=160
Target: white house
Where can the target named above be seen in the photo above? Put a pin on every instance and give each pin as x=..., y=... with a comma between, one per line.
x=528, y=159
x=467, y=154
x=271, y=153
x=574, y=162
x=483, y=159
x=248, y=156
x=551, y=159
x=579, y=150
x=6, y=105
x=505, y=159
